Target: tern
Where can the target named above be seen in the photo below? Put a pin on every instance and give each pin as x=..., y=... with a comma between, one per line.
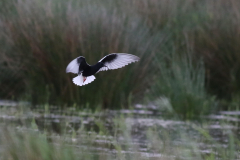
x=109, y=62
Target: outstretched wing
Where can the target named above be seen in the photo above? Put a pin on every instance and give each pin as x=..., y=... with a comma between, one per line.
x=117, y=60
x=73, y=66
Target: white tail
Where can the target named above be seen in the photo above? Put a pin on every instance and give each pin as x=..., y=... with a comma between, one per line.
x=79, y=80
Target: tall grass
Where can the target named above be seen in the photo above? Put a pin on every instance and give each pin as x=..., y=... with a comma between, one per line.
x=183, y=83
x=39, y=38
x=212, y=32
x=46, y=36
x=21, y=146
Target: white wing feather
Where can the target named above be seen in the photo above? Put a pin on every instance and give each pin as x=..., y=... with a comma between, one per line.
x=120, y=61
x=73, y=66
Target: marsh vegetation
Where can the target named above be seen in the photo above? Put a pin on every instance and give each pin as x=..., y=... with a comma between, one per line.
x=189, y=70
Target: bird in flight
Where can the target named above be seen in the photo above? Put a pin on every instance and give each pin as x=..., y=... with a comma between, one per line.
x=86, y=72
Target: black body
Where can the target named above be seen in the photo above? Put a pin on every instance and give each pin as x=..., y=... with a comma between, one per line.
x=86, y=69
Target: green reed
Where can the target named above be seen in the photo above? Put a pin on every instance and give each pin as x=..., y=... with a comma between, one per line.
x=39, y=38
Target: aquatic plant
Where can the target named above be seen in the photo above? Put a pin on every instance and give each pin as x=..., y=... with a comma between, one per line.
x=39, y=38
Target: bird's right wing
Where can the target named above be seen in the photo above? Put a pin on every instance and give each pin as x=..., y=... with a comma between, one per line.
x=117, y=60
x=73, y=66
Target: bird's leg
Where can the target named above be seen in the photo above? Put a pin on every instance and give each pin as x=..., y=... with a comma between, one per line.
x=84, y=79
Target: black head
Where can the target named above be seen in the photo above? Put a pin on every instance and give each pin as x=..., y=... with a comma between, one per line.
x=81, y=59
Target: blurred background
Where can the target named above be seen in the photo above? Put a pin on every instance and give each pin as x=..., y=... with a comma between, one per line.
x=189, y=67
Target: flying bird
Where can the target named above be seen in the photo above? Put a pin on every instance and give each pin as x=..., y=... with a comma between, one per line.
x=109, y=62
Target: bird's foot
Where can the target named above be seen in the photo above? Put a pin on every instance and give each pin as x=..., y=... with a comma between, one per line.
x=84, y=79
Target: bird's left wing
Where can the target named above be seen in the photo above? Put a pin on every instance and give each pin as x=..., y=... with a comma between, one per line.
x=73, y=66
x=117, y=60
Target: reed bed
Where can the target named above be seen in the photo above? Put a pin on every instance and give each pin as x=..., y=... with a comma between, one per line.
x=39, y=38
